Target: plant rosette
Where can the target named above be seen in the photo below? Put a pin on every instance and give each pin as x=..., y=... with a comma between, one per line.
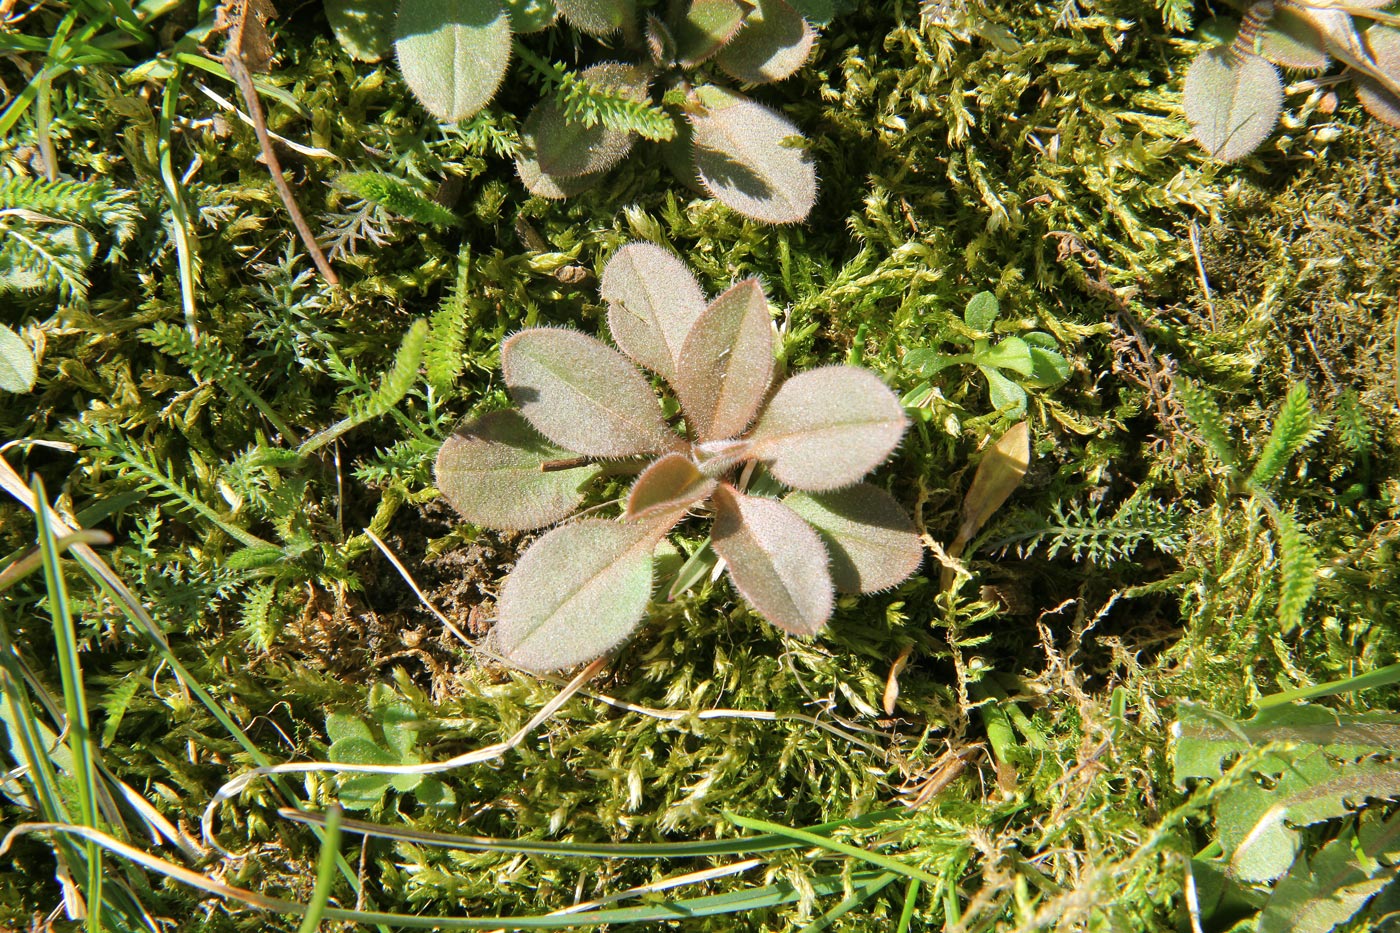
x=586, y=409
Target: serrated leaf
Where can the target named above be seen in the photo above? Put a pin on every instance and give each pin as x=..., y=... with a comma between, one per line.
x=597, y=17
x=673, y=483
x=726, y=363
x=1292, y=41
x=364, y=28
x=527, y=16
x=776, y=560
x=491, y=471
x=998, y=474
x=981, y=311
x=453, y=53
x=828, y=427
x=774, y=42
x=568, y=148
x=1383, y=42
x=706, y=27
x=582, y=394
x=745, y=159
x=872, y=542
x=576, y=593
x=17, y=369
x=653, y=301
x=1012, y=353
x=1232, y=101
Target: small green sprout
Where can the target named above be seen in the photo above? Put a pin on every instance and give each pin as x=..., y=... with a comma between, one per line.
x=1011, y=365
x=354, y=742
x=1233, y=93
x=586, y=409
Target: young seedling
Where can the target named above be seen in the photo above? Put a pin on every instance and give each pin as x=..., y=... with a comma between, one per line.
x=1233, y=93
x=454, y=56
x=354, y=742
x=1011, y=365
x=585, y=409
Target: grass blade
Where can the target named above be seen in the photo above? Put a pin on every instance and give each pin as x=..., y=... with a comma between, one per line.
x=801, y=835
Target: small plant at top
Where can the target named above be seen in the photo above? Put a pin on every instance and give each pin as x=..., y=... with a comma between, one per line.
x=585, y=409
x=353, y=742
x=1011, y=365
x=455, y=55
x=1233, y=93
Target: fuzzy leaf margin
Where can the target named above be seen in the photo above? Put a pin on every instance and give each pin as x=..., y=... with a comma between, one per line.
x=653, y=301
x=454, y=54
x=871, y=539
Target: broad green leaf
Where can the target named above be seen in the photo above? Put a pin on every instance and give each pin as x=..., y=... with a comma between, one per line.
x=527, y=16
x=1323, y=891
x=491, y=471
x=776, y=560
x=1048, y=367
x=670, y=484
x=871, y=539
x=774, y=42
x=576, y=593
x=653, y=301
x=1292, y=41
x=453, y=53
x=826, y=428
x=752, y=159
x=364, y=28
x=361, y=791
x=981, y=311
x=816, y=12
x=598, y=17
x=17, y=369
x=1383, y=42
x=706, y=27
x=1233, y=102
x=434, y=794
x=929, y=362
x=1006, y=396
x=566, y=148
x=1205, y=738
x=726, y=363
x=583, y=395
x=346, y=726
x=1012, y=353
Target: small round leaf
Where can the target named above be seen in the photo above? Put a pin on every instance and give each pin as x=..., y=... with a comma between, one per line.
x=774, y=42
x=747, y=159
x=1233, y=102
x=1292, y=41
x=17, y=369
x=453, y=53
x=653, y=301
x=706, y=27
x=872, y=541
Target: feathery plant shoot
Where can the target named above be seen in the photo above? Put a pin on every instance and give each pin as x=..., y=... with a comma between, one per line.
x=586, y=410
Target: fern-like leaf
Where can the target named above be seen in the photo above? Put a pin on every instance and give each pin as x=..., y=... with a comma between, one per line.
x=397, y=198
x=392, y=388
x=447, y=334
x=1297, y=563
x=1204, y=414
x=259, y=618
x=1086, y=535
x=589, y=103
x=1296, y=427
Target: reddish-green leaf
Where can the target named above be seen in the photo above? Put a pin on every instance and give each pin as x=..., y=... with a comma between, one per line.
x=1293, y=41
x=1383, y=42
x=576, y=593
x=565, y=147
x=490, y=470
x=828, y=427
x=597, y=17
x=583, y=395
x=653, y=301
x=775, y=559
x=453, y=53
x=871, y=539
x=774, y=42
x=1233, y=102
x=706, y=27
x=671, y=484
x=726, y=363
x=752, y=159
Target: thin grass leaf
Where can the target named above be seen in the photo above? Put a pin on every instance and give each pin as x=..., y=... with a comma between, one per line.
x=888, y=863
x=325, y=874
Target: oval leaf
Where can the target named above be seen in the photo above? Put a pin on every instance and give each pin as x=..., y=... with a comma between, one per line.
x=1013, y=353
x=597, y=17
x=871, y=539
x=1233, y=102
x=774, y=43
x=1000, y=472
x=671, y=484
x=576, y=593
x=777, y=562
x=726, y=363
x=364, y=28
x=828, y=427
x=1293, y=41
x=453, y=53
x=981, y=311
x=746, y=159
x=1384, y=44
x=653, y=301
x=540, y=183
x=567, y=148
x=582, y=394
x=707, y=26
x=491, y=472
x=17, y=369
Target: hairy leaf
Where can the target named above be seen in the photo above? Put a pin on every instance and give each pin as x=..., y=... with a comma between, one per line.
x=828, y=427
x=1383, y=42
x=816, y=12
x=981, y=311
x=598, y=17
x=1324, y=890
x=582, y=394
x=364, y=28
x=490, y=470
x=706, y=27
x=527, y=16
x=453, y=53
x=576, y=593
x=567, y=147
x=775, y=559
x=536, y=180
x=1297, y=567
x=773, y=43
x=726, y=363
x=1233, y=102
x=1292, y=41
x=871, y=539
x=17, y=369
x=670, y=484
x=653, y=301
x=746, y=158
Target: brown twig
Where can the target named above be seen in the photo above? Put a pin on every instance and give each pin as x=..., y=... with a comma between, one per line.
x=248, y=48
